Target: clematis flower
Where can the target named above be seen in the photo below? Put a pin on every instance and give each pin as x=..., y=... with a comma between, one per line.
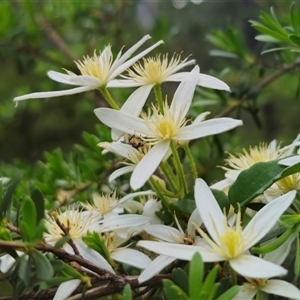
x=155, y=71
x=161, y=129
x=226, y=243
x=96, y=71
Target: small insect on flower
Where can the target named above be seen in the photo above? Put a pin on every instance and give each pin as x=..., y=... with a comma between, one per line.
x=135, y=141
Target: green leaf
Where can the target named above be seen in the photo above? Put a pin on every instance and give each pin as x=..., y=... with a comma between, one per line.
x=266, y=38
x=26, y=232
x=185, y=205
x=208, y=288
x=297, y=258
x=127, y=293
x=230, y=293
x=196, y=273
x=24, y=269
x=290, y=220
x=181, y=279
x=43, y=267
x=255, y=180
x=172, y=291
x=28, y=213
x=222, y=199
x=272, y=22
x=295, y=18
x=38, y=199
x=7, y=198
x=275, y=243
x=295, y=39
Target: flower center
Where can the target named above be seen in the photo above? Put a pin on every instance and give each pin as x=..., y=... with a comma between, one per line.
x=232, y=243
x=289, y=183
x=256, y=283
x=109, y=241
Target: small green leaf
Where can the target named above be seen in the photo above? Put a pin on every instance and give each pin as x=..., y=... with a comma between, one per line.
x=196, y=273
x=208, y=288
x=222, y=199
x=295, y=39
x=39, y=202
x=230, y=293
x=7, y=199
x=28, y=213
x=185, y=205
x=181, y=279
x=24, y=269
x=290, y=220
x=26, y=232
x=43, y=267
x=127, y=293
x=172, y=291
x=295, y=18
x=297, y=258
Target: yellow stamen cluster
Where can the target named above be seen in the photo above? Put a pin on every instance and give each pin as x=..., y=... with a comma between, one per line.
x=289, y=183
x=261, y=153
x=155, y=69
x=255, y=283
x=109, y=241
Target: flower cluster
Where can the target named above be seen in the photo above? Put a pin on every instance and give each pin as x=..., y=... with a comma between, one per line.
x=151, y=229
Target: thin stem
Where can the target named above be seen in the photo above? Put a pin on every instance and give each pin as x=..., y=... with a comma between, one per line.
x=178, y=167
x=159, y=99
x=258, y=295
x=191, y=160
x=109, y=98
x=168, y=172
x=159, y=192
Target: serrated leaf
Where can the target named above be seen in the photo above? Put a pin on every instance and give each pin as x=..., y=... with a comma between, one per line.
x=255, y=180
x=43, y=267
x=196, y=273
x=181, y=279
x=127, y=293
x=38, y=199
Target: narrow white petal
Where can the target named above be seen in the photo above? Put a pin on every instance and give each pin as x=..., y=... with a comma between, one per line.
x=66, y=289
x=212, y=82
x=131, y=257
x=121, y=59
x=245, y=293
x=290, y=161
x=137, y=100
x=266, y=218
x=123, y=221
x=6, y=262
x=93, y=256
x=133, y=195
x=163, y=232
x=86, y=80
x=148, y=164
x=123, y=83
x=116, y=174
x=54, y=94
x=120, y=148
x=184, y=94
x=201, y=117
x=255, y=267
x=61, y=77
x=131, y=61
x=209, y=210
x=281, y=288
x=159, y=263
x=194, y=219
x=180, y=251
x=222, y=185
x=150, y=208
x=121, y=121
x=279, y=255
x=206, y=128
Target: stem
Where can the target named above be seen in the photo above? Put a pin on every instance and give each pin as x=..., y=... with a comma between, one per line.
x=168, y=172
x=191, y=160
x=159, y=99
x=178, y=167
x=109, y=98
x=258, y=295
x=233, y=277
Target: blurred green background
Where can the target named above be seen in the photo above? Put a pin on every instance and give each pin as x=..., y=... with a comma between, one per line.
x=37, y=36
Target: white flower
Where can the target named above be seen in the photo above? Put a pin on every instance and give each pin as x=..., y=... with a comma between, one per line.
x=155, y=71
x=96, y=71
x=160, y=129
x=227, y=243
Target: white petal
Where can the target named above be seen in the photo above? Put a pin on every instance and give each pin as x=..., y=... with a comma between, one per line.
x=255, y=267
x=279, y=255
x=120, y=172
x=206, y=128
x=201, y=117
x=131, y=257
x=93, y=256
x=120, y=148
x=222, y=185
x=163, y=232
x=148, y=164
x=123, y=83
x=61, y=77
x=212, y=82
x=54, y=94
x=245, y=293
x=123, y=221
x=121, y=121
x=180, y=251
x=131, y=61
x=133, y=195
x=159, y=263
x=209, y=210
x=266, y=218
x=66, y=289
x=150, y=208
x=133, y=206
x=281, y=288
x=290, y=161
x=184, y=94
x=6, y=262
x=194, y=219
x=136, y=101
x=91, y=81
